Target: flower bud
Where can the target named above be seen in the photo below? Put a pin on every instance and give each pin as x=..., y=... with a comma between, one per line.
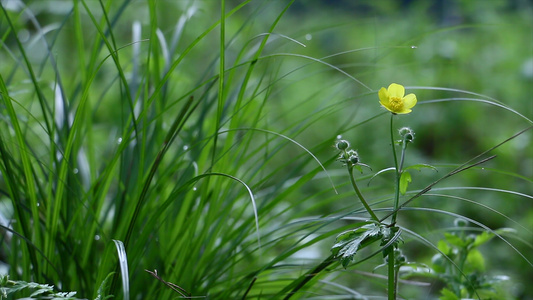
x=407, y=134
x=397, y=252
x=460, y=222
x=353, y=157
x=342, y=145
x=471, y=238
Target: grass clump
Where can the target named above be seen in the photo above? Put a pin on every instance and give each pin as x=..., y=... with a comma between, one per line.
x=183, y=149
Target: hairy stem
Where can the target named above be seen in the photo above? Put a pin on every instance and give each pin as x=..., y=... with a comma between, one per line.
x=358, y=192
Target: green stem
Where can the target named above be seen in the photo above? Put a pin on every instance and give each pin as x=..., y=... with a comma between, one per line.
x=404, y=146
x=392, y=272
x=358, y=192
x=392, y=275
x=397, y=191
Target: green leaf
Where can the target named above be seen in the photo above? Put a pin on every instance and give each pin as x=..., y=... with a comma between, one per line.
x=475, y=260
x=447, y=295
x=443, y=247
x=349, y=242
x=454, y=240
x=381, y=172
x=358, y=168
x=416, y=269
x=438, y=263
x=41, y=291
x=405, y=179
x=101, y=293
x=482, y=238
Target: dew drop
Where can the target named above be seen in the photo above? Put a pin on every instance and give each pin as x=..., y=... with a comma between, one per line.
x=194, y=189
x=75, y=171
x=97, y=237
x=339, y=137
x=119, y=141
x=308, y=37
x=414, y=47
x=185, y=147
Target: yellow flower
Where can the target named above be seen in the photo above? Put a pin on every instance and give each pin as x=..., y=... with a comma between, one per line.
x=393, y=99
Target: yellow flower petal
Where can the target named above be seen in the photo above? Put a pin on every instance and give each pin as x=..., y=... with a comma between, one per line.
x=394, y=101
x=383, y=96
x=396, y=90
x=403, y=111
x=409, y=101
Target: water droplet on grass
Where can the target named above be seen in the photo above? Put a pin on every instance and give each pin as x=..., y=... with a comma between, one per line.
x=119, y=140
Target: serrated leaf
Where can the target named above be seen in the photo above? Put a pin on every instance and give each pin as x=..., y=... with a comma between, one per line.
x=65, y=294
x=19, y=285
x=40, y=291
x=405, y=179
x=348, y=243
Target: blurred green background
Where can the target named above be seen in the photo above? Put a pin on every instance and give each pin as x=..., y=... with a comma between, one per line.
x=452, y=54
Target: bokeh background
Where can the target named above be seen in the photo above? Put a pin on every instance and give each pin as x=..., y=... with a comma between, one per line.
x=323, y=66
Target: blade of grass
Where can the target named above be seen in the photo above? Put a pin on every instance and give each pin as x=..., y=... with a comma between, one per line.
x=29, y=185
x=123, y=263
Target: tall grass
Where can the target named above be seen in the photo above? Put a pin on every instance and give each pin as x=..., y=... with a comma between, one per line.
x=180, y=159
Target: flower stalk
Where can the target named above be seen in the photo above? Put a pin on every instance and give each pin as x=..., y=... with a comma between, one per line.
x=392, y=275
x=395, y=101
x=351, y=159
x=360, y=195
x=398, y=171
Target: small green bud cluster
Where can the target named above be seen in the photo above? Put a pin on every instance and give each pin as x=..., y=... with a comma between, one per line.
x=407, y=134
x=348, y=156
x=352, y=157
x=399, y=257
